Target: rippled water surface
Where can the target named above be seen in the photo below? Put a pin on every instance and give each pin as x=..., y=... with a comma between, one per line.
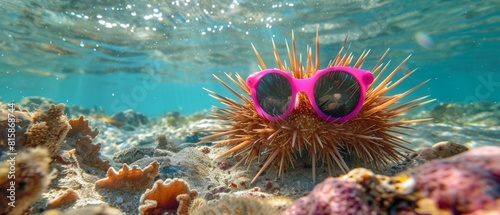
x=156, y=56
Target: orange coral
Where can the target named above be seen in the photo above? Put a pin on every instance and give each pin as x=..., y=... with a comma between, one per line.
x=49, y=129
x=130, y=179
x=80, y=126
x=80, y=137
x=64, y=199
x=171, y=195
x=89, y=154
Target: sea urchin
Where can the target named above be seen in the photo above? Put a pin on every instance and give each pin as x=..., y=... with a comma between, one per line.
x=368, y=139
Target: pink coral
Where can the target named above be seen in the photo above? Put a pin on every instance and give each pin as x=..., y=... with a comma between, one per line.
x=464, y=183
x=332, y=196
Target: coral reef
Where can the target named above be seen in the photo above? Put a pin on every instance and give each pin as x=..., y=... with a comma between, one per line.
x=464, y=183
x=436, y=184
x=68, y=197
x=23, y=177
x=171, y=195
x=332, y=196
x=49, y=129
x=237, y=205
x=358, y=192
x=468, y=183
x=130, y=179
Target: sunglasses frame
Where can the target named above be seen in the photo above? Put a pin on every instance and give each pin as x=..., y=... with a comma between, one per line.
x=364, y=78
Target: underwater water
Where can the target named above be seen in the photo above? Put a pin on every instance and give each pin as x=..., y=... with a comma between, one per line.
x=157, y=56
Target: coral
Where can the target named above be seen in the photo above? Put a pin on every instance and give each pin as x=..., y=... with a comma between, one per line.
x=23, y=177
x=368, y=139
x=382, y=192
x=279, y=203
x=80, y=138
x=237, y=205
x=21, y=125
x=130, y=179
x=468, y=183
x=68, y=197
x=205, y=150
x=81, y=127
x=49, y=129
x=214, y=193
x=88, y=210
x=196, y=204
x=358, y=192
x=332, y=196
x=171, y=195
x=88, y=154
x=464, y=183
x=224, y=165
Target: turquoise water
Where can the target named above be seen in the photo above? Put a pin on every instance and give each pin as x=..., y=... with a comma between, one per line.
x=157, y=56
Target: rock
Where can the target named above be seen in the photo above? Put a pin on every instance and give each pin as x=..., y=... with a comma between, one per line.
x=463, y=184
x=194, y=138
x=23, y=122
x=33, y=103
x=477, y=113
x=76, y=111
x=166, y=169
x=131, y=117
x=192, y=161
x=133, y=154
x=163, y=153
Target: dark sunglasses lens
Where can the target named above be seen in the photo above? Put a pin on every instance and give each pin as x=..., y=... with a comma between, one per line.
x=337, y=93
x=273, y=94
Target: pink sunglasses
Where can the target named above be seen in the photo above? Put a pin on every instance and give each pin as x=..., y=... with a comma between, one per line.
x=336, y=93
